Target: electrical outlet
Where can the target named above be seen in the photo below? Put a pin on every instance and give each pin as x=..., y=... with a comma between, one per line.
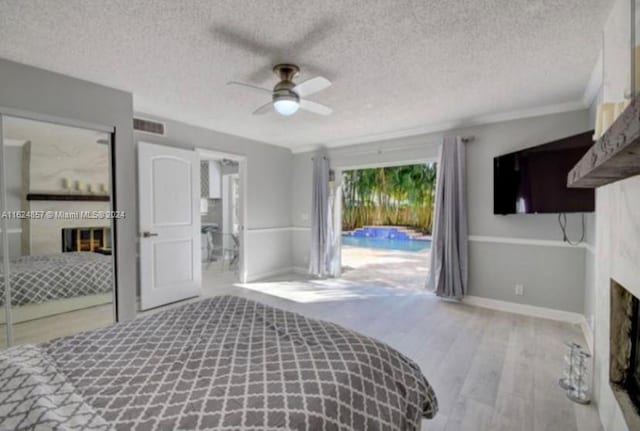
x=519, y=289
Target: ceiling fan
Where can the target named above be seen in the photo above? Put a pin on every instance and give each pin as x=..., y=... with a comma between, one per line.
x=287, y=96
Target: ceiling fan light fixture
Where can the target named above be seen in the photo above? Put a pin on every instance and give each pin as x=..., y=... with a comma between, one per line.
x=286, y=105
x=287, y=96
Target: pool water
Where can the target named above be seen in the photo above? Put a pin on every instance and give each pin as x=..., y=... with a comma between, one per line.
x=386, y=243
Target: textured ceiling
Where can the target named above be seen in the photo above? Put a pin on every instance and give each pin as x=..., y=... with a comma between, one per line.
x=38, y=131
x=395, y=65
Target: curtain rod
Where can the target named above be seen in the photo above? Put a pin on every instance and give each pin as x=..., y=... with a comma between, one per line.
x=465, y=139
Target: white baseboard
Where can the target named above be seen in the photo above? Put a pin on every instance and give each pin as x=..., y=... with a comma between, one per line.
x=266, y=274
x=276, y=272
x=299, y=270
x=527, y=310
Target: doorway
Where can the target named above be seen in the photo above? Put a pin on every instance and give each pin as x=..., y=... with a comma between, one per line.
x=222, y=206
x=386, y=216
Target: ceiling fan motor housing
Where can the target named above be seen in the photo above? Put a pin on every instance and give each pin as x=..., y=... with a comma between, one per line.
x=284, y=89
x=286, y=71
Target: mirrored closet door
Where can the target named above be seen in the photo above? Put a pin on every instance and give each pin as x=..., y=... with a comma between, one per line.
x=57, y=272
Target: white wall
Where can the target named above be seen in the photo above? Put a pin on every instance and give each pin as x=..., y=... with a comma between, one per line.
x=268, y=190
x=13, y=176
x=589, y=275
x=553, y=274
x=617, y=55
x=50, y=154
x=617, y=257
x=56, y=152
x=617, y=229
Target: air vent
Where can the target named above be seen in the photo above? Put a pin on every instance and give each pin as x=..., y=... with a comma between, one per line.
x=148, y=126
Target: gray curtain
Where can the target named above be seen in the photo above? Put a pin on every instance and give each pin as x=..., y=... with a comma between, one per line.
x=332, y=244
x=449, y=250
x=321, y=225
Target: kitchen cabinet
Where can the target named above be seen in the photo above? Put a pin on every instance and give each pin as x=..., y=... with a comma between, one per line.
x=211, y=176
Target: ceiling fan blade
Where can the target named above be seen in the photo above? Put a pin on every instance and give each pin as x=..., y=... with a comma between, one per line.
x=252, y=87
x=263, y=109
x=311, y=86
x=314, y=107
x=243, y=40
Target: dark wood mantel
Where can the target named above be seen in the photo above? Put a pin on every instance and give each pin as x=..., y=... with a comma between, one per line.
x=615, y=156
x=67, y=197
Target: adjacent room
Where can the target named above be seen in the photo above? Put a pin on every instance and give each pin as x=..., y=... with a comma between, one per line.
x=220, y=219
x=327, y=215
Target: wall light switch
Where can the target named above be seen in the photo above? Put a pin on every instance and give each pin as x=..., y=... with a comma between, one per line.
x=519, y=289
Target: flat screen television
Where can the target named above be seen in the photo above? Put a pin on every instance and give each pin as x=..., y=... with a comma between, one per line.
x=534, y=180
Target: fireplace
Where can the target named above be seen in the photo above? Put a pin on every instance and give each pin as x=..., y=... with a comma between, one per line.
x=632, y=382
x=94, y=239
x=624, y=364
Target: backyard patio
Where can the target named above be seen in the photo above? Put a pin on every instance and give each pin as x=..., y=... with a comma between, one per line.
x=385, y=267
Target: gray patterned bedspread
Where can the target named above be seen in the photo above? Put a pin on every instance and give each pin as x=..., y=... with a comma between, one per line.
x=227, y=363
x=35, y=396
x=39, y=279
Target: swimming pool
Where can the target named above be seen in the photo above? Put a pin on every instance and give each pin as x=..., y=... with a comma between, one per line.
x=386, y=243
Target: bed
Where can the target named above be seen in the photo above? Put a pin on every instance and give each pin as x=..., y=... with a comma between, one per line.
x=223, y=363
x=46, y=278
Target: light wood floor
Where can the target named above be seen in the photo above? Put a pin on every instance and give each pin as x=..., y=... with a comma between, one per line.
x=490, y=370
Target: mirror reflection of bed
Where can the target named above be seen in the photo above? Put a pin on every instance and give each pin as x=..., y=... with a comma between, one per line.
x=60, y=256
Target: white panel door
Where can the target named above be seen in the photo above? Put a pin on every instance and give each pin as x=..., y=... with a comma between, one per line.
x=169, y=196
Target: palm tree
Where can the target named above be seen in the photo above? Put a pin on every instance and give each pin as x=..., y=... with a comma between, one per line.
x=401, y=195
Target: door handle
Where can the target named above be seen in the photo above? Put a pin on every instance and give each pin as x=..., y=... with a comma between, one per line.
x=148, y=234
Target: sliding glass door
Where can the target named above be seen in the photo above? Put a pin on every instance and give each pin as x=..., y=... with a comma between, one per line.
x=57, y=272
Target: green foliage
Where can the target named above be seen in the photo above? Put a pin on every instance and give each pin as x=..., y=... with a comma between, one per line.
x=399, y=196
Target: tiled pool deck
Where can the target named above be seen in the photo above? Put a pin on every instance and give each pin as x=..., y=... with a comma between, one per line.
x=393, y=268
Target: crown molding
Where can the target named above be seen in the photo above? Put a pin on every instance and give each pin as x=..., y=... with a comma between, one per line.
x=307, y=148
x=445, y=126
x=383, y=147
